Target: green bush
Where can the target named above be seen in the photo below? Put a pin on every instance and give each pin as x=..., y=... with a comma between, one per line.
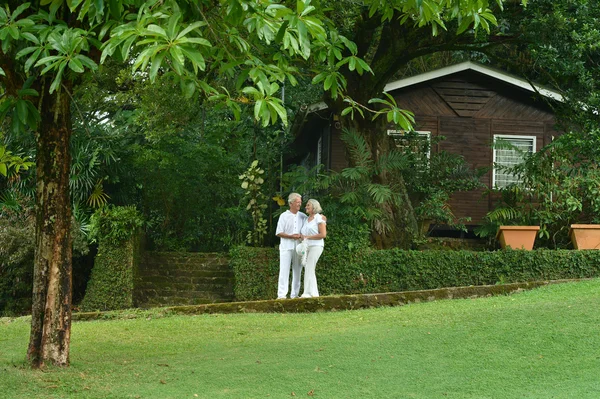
x=112, y=281
x=372, y=271
x=114, y=225
x=17, y=242
x=17, y=246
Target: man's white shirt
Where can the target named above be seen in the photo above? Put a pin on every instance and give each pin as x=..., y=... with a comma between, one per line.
x=290, y=223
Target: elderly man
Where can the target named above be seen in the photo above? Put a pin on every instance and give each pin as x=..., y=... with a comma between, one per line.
x=288, y=229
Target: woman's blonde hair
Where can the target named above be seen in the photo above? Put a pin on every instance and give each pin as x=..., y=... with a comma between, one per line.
x=316, y=206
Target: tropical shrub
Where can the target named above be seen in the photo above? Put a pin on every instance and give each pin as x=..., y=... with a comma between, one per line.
x=416, y=181
x=252, y=181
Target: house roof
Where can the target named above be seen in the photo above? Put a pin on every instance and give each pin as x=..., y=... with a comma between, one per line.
x=463, y=66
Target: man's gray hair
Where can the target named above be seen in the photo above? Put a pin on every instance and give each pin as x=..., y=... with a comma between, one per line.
x=316, y=206
x=292, y=197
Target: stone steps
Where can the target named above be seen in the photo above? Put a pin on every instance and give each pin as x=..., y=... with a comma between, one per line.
x=166, y=279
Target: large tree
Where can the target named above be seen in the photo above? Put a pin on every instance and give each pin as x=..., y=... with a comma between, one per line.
x=46, y=45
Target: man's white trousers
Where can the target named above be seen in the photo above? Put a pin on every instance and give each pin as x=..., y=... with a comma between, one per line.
x=287, y=258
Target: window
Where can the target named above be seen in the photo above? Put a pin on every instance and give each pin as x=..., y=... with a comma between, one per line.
x=509, y=151
x=420, y=142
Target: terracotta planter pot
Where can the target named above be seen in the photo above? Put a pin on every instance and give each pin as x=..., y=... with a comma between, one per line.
x=517, y=237
x=585, y=236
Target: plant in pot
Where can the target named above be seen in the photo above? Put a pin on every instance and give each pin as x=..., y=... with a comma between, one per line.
x=513, y=223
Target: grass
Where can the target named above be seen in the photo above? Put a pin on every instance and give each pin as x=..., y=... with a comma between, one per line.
x=543, y=343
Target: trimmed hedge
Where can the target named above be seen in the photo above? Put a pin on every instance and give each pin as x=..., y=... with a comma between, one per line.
x=372, y=271
x=111, y=284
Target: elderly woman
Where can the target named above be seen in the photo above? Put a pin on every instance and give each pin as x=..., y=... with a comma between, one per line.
x=314, y=231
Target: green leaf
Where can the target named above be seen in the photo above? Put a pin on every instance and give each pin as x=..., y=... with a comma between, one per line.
x=51, y=66
x=329, y=82
x=172, y=26
x=28, y=92
x=58, y=79
x=364, y=65
x=155, y=30
x=379, y=101
x=188, y=88
x=32, y=59
x=86, y=61
x=21, y=110
x=281, y=31
x=19, y=10
x=48, y=60
x=99, y=7
x=114, y=7
x=25, y=51
x=307, y=10
x=252, y=90
x=319, y=78
x=280, y=110
x=33, y=115
x=206, y=87
x=196, y=40
x=464, y=25
x=3, y=169
x=177, y=57
x=156, y=62
x=29, y=36
x=258, y=109
x=352, y=63
x=13, y=31
x=126, y=46
x=190, y=28
x=75, y=65
x=196, y=58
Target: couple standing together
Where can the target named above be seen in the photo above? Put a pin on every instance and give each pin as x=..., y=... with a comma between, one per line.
x=294, y=227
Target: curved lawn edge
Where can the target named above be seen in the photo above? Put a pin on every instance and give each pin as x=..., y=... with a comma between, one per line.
x=331, y=303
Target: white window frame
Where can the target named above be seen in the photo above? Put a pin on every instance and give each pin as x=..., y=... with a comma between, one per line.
x=508, y=137
x=319, y=149
x=398, y=134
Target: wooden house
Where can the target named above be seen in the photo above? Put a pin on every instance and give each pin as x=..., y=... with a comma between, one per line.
x=472, y=105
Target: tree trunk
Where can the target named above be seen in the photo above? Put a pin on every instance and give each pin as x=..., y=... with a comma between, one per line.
x=51, y=310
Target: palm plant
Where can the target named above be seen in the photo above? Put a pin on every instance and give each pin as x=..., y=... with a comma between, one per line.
x=360, y=188
x=89, y=169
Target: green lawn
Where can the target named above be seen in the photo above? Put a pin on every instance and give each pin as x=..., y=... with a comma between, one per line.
x=537, y=344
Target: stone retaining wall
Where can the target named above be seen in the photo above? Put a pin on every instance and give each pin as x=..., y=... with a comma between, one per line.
x=172, y=278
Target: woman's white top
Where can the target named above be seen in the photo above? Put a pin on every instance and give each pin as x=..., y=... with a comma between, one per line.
x=312, y=228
